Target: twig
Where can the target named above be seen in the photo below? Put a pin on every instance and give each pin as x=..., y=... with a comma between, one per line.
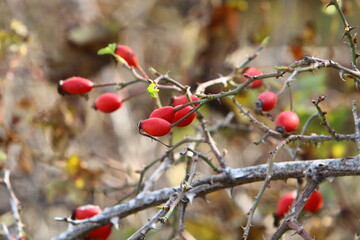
x=210, y=141
x=181, y=223
x=294, y=169
x=223, y=80
x=357, y=125
x=322, y=114
x=253, y=120
x=14, y=203
x=206, y=159
x=347, y=33
x=294, y=225
x=303, y=130
x=266, y=184
x=140, y=233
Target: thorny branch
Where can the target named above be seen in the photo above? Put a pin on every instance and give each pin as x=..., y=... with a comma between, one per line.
x=315, y=170
x=201, y=186
x=14, y=203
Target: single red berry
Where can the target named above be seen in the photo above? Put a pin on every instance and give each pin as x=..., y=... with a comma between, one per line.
x=284, y=204
x=128, y=55
x=315, y=202
x=252, y=71
x=176, y=101
x=156, y=127
x=181, y=113
x=266, y=101
x=108, y=102
x=167, y=113
x=75, y=85
x=287, y=121
x=87, y=211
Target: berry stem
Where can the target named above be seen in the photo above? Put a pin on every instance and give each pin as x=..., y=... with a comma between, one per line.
x=119, y=84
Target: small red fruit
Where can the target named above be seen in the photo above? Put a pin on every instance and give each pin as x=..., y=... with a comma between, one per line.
x=176, y=101
x=284, y=204
x=128, y=55
x=167, y=113
x=315, y=202
x=75, y=85
x=156, y=127
x=283, y=207
x=266, y=101
x=252, y=71
x=181, y=113
x=87, y=211
x=108, y=102
x=287, y=121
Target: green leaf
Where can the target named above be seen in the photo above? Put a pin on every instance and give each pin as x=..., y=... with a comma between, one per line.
x=152, y=90
x=109, y=49
x=265, y=41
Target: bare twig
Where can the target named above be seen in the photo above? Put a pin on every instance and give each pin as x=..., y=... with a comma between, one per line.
x=204, y=185
x=294, y=225
x=14, y=203
x=322, y=114
x=347, y=33
x=212, y=144
x=303, y=130
x=357, y=125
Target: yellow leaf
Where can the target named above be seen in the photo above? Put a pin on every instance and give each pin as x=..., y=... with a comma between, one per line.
x=338, y=150
x=80, y=182
x=73, y=165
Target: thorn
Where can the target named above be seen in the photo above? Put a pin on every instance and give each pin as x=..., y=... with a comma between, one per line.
x=229, y=191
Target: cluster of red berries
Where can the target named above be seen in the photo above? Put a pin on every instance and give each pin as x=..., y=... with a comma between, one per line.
x=313, y=204
x=88, y=211
x=160, y=120
x=108, y=102
x=287, y=121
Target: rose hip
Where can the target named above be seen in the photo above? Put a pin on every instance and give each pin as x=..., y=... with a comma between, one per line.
x=252, y=71
x=181, y=113
x=266, y=101
x=87, y=211
x=315, y=202
x=108, y=102
x=167, y=113
x=287, y=121
x=75, y=85
x=176, y=101
x=128, y=55
x=156, y=127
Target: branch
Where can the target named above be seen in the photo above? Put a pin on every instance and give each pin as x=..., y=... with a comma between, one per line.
x=228, y=179
x=14, y=203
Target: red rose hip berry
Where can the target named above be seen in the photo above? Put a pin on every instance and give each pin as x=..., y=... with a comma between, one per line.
x=252, y=71
x=181, y=113
x=108, y=102
x=167, y=113
x=75, y=85
x=266, y=101
x=88, y=211
x=156, y=127
x=283, y=206
x=315, y=202
x=128, y=55
x=287, y=121
x=176, y=101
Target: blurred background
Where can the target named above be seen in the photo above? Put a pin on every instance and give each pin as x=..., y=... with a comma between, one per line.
x=63, y=154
